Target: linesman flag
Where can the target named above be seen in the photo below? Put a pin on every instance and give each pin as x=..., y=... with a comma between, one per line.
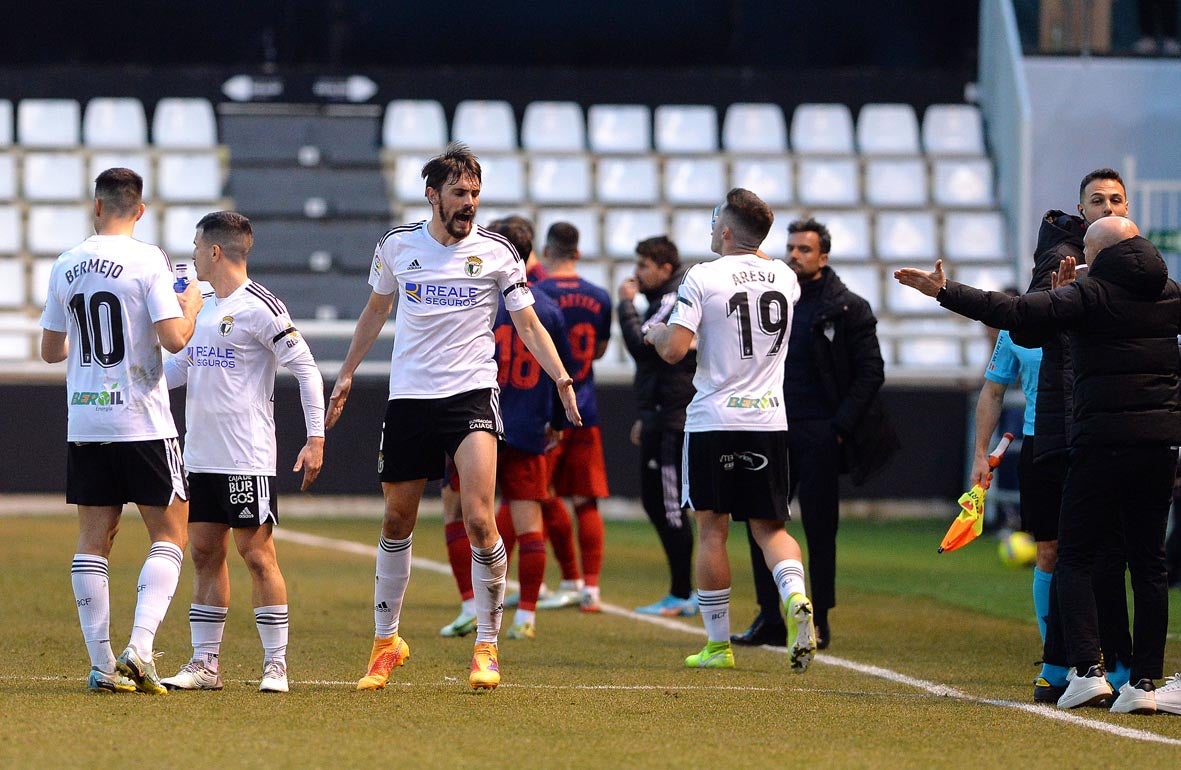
x=970, y=523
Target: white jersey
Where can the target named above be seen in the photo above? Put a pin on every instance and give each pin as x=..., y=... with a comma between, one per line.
x=230, y=366
x=740, y=307
x=107, y=293
x=447, y=300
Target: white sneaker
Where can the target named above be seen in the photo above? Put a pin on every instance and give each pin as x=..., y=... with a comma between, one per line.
x=1168, y=695
x=194, y=676
x=1138, y=698
x=274, y=676
x=1085, y=690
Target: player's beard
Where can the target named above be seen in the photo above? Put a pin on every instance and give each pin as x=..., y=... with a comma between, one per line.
x=458, y=222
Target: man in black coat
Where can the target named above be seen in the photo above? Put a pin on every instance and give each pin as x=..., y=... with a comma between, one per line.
x=835, y=422
x=663, y=390
x=1124, y=318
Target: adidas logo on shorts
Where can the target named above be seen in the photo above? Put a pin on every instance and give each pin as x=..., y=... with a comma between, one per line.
x=245, y=514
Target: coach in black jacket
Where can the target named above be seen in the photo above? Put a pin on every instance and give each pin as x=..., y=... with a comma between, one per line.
x=835, y=420
x=1124, y=318
x=663, y=390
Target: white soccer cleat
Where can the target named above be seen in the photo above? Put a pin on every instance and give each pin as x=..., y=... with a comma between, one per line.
x=274, y=676
x=194, y=676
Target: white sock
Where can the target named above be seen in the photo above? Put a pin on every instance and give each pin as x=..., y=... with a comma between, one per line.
x=715, y=613
x=789, y=576
x=524, y=616
x=272, y=630
x=489, y=567
x=157, y=584
x=206, y=626
x=88, y=575
x=393, y=575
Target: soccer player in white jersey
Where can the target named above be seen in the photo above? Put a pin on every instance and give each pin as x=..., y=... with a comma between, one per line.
x=243, y=333
x=109, y=309
x=739, y=309
x=446, y=274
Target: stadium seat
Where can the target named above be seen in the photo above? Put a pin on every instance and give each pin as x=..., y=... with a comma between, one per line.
x=953, y=129
x=139, y=162
x=487, y=214
x=590, y=243
x=10, y=229
x=829, y=182
x=111, y=122
x=188, y=177
x=769, y=178
x=12, y=282
x=5, y=123
x=503, y=179
x=850, y=235
x=905, y=301
x=553, y=127
x=754, y=128
x=627, y=180
x=691, y=231
x=53, y=176
x=147, y=229
x=887, y=129
x=775, y=244
x=598, y=273
x=621, y=128
x=906, y=235
x=51, y=229
x=986, y=277
x=960, y=183
x=689, y=181
x=559, y=179
x=414, y=124
x=974, y=235
x=39, y=285
x=863, y=280
x=929, y=352
x=822, y=129
x=7, y=176
x=421, y=212
x=184, y=124
x=624, y=228
x=48, y=123
x=180, y=225
x=686, y=128
x=485, y=125
x=896, y=182
x=409, y=186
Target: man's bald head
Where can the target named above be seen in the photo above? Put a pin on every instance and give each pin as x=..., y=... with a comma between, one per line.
x=1107, y=232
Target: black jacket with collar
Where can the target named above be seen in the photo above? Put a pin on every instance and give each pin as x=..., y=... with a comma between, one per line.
x=663, y=390
x=1123, y=319
x=848, y=359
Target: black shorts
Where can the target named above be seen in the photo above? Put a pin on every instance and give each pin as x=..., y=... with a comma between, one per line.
x=232, y=499
x=117, y=472
x=742, y=473
x=1040, y=485
x=419, y=432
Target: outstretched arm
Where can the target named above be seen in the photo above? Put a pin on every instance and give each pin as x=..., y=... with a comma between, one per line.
x=928, y=283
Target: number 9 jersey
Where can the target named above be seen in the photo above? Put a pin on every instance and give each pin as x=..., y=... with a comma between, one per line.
x=107, y=293
x=740, y=307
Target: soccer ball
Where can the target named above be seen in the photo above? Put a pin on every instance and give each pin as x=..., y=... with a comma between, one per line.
x=1017, y=549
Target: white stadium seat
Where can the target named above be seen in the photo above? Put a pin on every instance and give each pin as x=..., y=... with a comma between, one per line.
x=627, y=180
x=111, y=122
x=485, y=125
x=953, y=129
x=929, y=352
x=184, y=124
x=850, y=234
x=896, y=182
x=986, y=277
x=690, y=180
x=53, y=229
x=560, y=179
x=53, y=176
x=863, y=280
x=409, y=186
x=139, y=162
x=624, y=228
x=691, y=231
x=754, y=128
x=5, y=123
x=963, y=183
x=775, y=244
x=974, y=235
x=147, y=229
x=423, y=213
x=769, y=178
x=585, y=219
x=39, y=285
x=10, y=234
x=180, y=225
x=48, y=122
x=623, y=128
x=189, y=177
x=414, y=124
x=887, y=129
x=829, y=182
x=598, y=273
x=686, y=128
x=906, y=235
x=503, y=179
x=822, y=129
x=12, y=282
x=486, y=215
x=553, y=127
x=7, y=176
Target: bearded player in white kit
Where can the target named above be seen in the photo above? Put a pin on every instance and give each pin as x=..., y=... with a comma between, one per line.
x=243, y=333
x=445, y=274
x=109, y=309
x=739, y=310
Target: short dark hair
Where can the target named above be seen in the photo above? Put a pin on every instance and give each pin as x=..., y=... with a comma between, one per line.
x=229, y=230
x=456, y=162
x=562, y=240
x=121, y=189
x=1100, y=173
x=751, y=217
x=810, y=225
x=660, y=250
x=519, y=232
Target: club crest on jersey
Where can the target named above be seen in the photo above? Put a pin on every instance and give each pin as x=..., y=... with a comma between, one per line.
x=473, y=266
x=226, y=326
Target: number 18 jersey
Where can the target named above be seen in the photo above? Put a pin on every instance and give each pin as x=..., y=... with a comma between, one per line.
x=108, y=292
x=740, y=307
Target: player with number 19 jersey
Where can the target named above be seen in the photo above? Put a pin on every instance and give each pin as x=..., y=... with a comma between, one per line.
x=740, y=306
x=115, y=377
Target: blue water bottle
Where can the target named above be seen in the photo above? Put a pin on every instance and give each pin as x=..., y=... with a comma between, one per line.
x=181, y=271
